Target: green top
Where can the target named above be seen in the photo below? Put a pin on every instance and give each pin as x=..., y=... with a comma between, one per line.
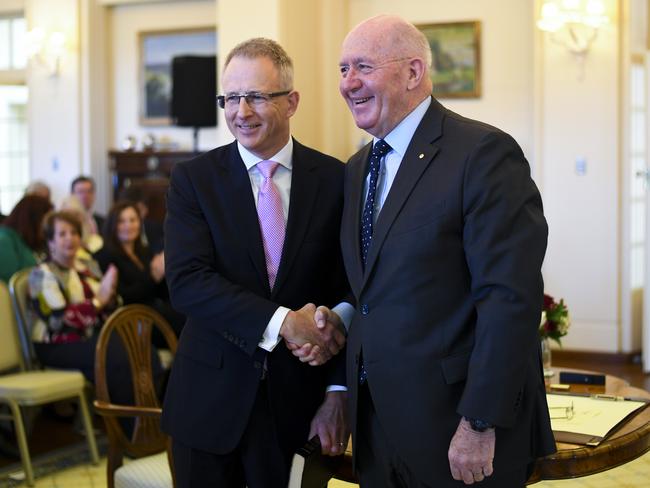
x=14, y=253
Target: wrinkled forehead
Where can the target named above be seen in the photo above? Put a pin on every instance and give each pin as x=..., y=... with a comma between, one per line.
x=367, y=43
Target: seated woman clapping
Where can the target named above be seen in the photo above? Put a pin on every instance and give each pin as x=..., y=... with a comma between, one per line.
x=141, y=273
x=71, y=300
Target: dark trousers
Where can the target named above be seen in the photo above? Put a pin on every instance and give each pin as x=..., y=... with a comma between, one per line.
x=380, y=466
x=257, y=462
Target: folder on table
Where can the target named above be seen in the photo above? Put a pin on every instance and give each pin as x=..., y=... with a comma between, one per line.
x=591, y=418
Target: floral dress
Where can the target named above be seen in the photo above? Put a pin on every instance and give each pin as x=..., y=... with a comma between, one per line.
x=62, y=300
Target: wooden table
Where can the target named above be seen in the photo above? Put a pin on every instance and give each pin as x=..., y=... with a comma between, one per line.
x=629, y=441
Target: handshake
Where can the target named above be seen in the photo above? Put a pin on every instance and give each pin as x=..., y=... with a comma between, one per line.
x=313, y=334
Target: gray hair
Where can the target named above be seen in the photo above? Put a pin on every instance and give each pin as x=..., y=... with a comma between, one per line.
x=259, y=47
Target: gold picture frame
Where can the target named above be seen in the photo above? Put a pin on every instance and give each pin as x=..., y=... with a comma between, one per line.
x=456, y=48
x=157, y=49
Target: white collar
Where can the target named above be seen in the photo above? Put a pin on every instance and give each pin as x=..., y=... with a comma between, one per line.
x=400, y=137
x=283, y=156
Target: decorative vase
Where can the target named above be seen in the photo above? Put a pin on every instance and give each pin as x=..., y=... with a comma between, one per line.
x=546, y=357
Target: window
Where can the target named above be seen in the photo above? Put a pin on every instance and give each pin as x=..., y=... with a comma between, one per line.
x=12, y=43
x=14, y=144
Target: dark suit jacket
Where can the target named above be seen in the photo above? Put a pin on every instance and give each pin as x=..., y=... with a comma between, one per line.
x=450, y=301
x=217, y=276
x=100, y=220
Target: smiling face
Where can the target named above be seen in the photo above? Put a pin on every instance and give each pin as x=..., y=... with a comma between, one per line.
x=262, y=129
x=65, y=243
x=382, y=73
x=128, y=226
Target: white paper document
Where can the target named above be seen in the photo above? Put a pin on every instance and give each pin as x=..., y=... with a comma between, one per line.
x=588, y=415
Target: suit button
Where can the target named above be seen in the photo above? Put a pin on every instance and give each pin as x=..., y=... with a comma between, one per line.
x=257, y=365
x=365, y=309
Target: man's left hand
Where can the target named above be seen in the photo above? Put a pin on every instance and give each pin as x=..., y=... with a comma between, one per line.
x=471, y=453
x=330, y=423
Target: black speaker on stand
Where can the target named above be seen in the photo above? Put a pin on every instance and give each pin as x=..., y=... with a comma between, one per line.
x=194, y=91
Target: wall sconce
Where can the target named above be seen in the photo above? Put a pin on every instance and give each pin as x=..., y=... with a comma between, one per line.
x=573, y=24
x=46, y=48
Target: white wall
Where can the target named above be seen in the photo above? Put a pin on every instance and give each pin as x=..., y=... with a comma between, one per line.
x=580, y=119
x=54, y=104
x=125, y=22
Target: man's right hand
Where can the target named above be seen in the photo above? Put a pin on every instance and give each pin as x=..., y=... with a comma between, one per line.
x=325, y=318
x=299, y=330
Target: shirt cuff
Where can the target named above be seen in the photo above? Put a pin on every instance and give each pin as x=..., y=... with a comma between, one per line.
x=345, y=311
x=336, y=388
x=271, y=336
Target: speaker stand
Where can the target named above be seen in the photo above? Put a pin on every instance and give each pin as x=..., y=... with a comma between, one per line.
x=195, y=137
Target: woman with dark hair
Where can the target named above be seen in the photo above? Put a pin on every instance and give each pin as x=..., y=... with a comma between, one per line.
x=71, y=300
x=21, y=239
x=142, y=273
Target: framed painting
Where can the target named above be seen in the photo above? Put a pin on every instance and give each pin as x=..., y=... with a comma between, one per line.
x=456, y=48
x=157, y=49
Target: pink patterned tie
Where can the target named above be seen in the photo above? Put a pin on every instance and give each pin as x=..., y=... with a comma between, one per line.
x=271, y=217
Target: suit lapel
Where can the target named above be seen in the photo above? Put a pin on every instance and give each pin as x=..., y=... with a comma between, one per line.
x=237, y=189
x=419, y=155
x=304, y=190
x=355, y=188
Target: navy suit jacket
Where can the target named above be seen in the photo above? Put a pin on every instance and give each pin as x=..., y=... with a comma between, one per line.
x=217, y=277
x=450, y=301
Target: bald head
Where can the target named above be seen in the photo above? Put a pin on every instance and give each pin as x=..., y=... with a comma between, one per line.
x=394, y=36
x=385, y=65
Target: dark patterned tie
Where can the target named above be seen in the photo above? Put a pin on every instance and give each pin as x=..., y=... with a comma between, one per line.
x=379, y=150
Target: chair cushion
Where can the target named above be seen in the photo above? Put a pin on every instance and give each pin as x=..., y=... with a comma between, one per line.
x=36, y=387
x=147, y=472
x=166, y=358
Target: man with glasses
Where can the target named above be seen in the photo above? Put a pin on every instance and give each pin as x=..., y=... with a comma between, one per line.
x=251, y=243
x=443, y=238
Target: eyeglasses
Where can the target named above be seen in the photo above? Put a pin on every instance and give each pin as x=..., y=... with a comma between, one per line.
x=253, y=99
x=366, y=68
x=565, y=412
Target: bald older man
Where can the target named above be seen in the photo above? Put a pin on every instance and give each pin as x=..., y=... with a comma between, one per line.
x=443, y=238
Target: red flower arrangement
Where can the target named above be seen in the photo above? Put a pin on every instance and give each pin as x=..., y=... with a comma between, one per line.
x=555, y=319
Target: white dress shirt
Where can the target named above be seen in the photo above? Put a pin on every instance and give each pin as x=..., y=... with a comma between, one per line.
x=398, y=139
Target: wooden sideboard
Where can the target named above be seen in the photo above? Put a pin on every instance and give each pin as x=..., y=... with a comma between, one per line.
x=147, y=170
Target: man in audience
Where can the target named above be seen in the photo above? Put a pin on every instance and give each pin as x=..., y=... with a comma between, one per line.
x=251, y=236
x=443, y=238
x=83, y=187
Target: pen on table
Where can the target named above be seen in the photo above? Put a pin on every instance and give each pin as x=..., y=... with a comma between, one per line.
x=618, y=398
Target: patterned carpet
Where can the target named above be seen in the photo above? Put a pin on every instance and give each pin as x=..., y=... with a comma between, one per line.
x=46, y=464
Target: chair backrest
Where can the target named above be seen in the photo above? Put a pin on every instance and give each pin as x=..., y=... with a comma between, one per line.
x=19, y=289
x=134, y=324
x=10, y=357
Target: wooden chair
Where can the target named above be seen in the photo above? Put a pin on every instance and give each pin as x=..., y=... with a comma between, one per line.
x=133, y=324
x=29, y=388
